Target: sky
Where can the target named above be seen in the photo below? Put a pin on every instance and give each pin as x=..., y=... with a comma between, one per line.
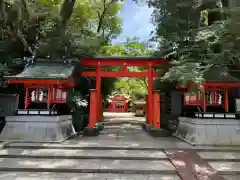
x=136, y=21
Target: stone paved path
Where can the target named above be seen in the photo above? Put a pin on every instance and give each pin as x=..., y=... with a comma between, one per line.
x=122, y=151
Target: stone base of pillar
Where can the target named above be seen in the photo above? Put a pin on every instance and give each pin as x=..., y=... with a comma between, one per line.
x=37, y=128
x=159, y=132
x=155, y=132
x=100, y=126
x=91, y=131
x=146, y=127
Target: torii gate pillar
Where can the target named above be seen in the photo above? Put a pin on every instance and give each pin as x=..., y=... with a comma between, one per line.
x=99, y=94
x=150, y=95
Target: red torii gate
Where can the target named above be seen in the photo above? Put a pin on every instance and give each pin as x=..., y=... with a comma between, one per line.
x=124, y=62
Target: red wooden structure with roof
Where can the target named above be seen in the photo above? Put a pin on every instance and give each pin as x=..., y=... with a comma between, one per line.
x=214, y=91
x=118, y=104
x=46, y=81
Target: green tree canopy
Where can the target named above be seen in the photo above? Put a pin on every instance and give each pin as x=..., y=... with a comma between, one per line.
x=55, y=28
x=196, y=35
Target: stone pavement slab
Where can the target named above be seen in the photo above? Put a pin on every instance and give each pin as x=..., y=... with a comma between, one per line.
x=102, y=142
x=48, y=163
x=93, y=164
x=136, y=177
x=97, y=142
x=232, y=177
x=71, y=153
x=137, y=165
x=220, y=155
x=82, y=176
x=226, y=166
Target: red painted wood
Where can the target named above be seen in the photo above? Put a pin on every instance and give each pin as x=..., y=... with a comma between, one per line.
x=156, y=106
x=101, y=108
x=212, y=85
x=147, y=110
x=221, y=84
x=52, y=101
x=49, y=96
x=116, y=102
x=205, y=103
x=190, y=166
x=118, y=74
x=116, y=61
x=26, y=98
x=41, y=82
x=192, y=101
x=226, y=101
x=98, y=88
x=93, y=108
x=124, y=69
x=34, y=86
x=150, y=94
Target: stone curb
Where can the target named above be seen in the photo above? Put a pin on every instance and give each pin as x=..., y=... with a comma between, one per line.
x=223, y=173
x=108, y=158
x=84, y=157
x=64, y=170
x=215, y=149
x=81, y=148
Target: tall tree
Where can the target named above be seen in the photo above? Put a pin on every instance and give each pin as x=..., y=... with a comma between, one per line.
x=194, y=45
x=54, y=28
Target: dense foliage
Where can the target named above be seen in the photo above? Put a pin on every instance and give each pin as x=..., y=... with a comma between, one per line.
x=196, y=35
x=55, y=28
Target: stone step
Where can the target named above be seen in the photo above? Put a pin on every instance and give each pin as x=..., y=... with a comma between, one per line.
x=83, y=176
x=133, y=123
x=123, y=132
x=92, y=143
x=124, y=126
x=83, y=154
x=97, y=145
x=220, y=156
x=232, y=177
x=226, y=167
x=87, y=166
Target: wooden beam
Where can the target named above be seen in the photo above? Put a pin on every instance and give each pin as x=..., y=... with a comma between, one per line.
x=41, y=82
x=215, y=85
x=221, y=84
x=119, y=74
x=124, y=62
